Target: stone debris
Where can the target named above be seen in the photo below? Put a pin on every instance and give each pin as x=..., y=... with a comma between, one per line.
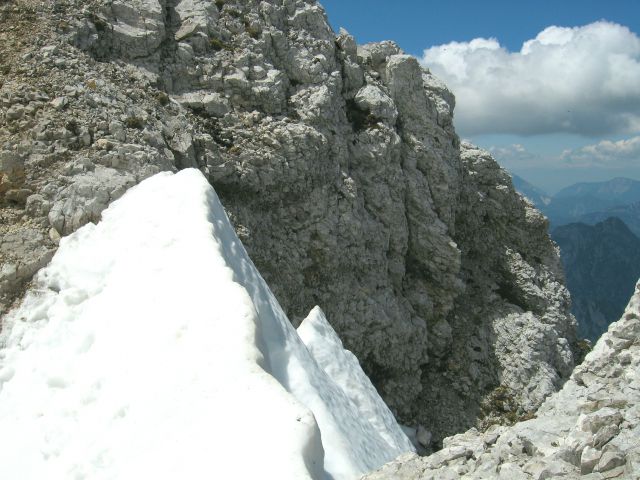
x=589, y=429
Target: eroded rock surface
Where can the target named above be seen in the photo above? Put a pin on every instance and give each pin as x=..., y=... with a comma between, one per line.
x=338, y=164
x=589, y=429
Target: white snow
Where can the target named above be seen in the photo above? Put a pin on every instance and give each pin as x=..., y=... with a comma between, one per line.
x=343, y=368
x=151, y=347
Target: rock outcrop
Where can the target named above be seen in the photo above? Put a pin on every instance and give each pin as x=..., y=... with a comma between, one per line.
x=338, y=165
x=589, y=429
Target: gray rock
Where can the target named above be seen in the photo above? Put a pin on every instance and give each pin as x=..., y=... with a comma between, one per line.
x=372, y=99
x=212, y=103
x=589, y=459
x=609, y=460
x=134, y=28
x=423, y=436
x=563, y=440
x=195, y=16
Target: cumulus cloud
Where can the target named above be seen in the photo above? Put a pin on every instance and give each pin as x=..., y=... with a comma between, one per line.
x=622, y=153
x=583, y=80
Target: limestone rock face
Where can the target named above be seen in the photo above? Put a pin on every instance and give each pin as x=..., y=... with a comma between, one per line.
x=337, y=163
x=509, y=326
x=589, y=429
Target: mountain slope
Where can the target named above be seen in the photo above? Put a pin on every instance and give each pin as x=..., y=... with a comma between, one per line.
x=602, y=264
x=620, y=190
x=338, y=165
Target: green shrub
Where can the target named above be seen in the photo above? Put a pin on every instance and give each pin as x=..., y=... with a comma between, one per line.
x=100, y=24
x=217, y=45
x=134, y=122
x=162, y=98
x=580, y=349
x=253, y=32
x=360, y=119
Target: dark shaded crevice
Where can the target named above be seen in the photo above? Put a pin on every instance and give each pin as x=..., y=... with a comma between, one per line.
x=169, y=46
x=360, y=119
x=509, y=292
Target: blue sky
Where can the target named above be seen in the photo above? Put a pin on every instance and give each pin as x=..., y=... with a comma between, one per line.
x=565, y=108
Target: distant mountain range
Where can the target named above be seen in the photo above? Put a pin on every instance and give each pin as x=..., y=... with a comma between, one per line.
x=602, y=265
x=629, y=214
x=574, y=202
x=587, y=202
x=597, y=226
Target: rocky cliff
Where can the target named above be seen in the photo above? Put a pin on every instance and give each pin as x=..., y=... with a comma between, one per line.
x=338, y=165
x=589, y=429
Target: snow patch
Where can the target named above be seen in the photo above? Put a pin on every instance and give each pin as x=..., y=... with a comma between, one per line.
x=343, y=368
x=151, y=347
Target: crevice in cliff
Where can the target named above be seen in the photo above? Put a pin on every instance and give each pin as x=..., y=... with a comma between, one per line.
x=168, y=47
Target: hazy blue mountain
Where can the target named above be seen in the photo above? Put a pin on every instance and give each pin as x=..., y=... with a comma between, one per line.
x=539, y=197
x=602, y=265
x=629, y=214
x=619, y=189
x=572, y=203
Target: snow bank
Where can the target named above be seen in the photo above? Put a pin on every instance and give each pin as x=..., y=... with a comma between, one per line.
x=343, y=368
x=152, y=348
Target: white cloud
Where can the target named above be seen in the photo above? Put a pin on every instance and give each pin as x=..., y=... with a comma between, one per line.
x=583, y=80
x=516, y=155
x=623, y=153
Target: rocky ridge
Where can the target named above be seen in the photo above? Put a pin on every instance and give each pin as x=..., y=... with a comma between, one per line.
x=588, y=430
x=338, y=165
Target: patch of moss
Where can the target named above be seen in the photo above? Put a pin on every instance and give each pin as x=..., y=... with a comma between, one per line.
x=501, y=408
x=63, y=25
x=222, y=138
x=218, y=45
x=134, y=122
x=527, y=416
x=580, y=349
x=100, y=24
x=360, y=119
x=72, y=126
x=254, y=32
x=162, y=98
